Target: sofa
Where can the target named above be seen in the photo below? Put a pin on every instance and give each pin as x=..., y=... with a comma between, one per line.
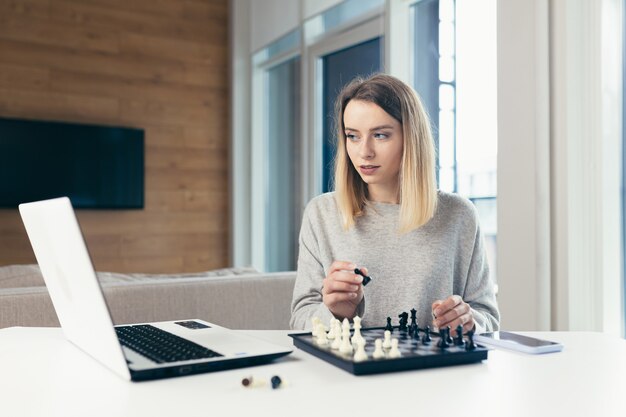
x=238, y=298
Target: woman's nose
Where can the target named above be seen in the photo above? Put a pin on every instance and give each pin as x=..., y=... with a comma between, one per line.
x=367, y=150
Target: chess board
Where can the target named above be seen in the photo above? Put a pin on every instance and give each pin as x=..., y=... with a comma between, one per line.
x=415, y=354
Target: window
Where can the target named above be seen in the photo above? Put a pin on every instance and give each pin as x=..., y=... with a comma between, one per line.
x=282, y=218
x=291, y=136
x=339, y=68
x=454, y=71
x=275, y=155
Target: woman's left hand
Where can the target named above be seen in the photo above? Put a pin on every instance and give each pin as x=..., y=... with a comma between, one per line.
x=453, y=311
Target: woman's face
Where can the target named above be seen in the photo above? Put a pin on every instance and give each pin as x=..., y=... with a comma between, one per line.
x=374, y=143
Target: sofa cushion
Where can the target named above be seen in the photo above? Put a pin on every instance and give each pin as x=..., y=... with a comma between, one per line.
x=256, y=301
x=239, y=298
x=26, y=276
x=115, y=277
x=20, y=276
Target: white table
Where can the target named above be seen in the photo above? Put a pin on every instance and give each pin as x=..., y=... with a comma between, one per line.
x=41, y=374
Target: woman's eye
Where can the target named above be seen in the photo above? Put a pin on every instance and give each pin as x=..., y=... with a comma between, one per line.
x=351, y=137
x=380, y=136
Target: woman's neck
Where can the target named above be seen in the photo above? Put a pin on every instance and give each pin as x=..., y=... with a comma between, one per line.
x=383, y=194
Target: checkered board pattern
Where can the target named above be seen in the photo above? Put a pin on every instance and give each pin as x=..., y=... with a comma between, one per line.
x=415, y=354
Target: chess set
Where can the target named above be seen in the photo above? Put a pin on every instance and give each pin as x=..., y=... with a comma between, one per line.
x=390, y=348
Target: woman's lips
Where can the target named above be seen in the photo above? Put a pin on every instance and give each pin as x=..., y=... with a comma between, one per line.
x=368, y=169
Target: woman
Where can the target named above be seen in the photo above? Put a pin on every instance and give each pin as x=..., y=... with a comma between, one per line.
x=423, y=248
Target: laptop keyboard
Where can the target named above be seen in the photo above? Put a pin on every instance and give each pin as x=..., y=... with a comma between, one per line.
x=161, y=346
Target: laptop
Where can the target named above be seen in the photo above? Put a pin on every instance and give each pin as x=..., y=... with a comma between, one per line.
x=135, y=352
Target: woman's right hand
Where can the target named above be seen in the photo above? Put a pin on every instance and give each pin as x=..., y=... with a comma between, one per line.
x=342, y=290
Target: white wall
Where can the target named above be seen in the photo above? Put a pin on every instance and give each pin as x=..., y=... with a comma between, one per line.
x=586, y=165
x=559, y=165
x=271, y=19
x=314, y=7
x=523, y=165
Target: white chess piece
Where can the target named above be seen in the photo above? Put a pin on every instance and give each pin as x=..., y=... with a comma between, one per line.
x=314, y=322
x=378, y=349
x=332, y=332
x=322, y=338
x=361, y=354
x=357, y=337
x=387, y=341
x=345, y=325
x=337, y=324
x=394, y=352
x=346, y=346
x=337, y=341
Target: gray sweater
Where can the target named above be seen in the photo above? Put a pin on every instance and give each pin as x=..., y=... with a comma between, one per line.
x=445, y=256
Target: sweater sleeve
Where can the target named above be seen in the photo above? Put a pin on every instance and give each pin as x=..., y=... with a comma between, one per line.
x=307, y=293
x=480, y=289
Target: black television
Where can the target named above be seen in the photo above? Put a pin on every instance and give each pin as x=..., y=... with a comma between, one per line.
x=97, y=167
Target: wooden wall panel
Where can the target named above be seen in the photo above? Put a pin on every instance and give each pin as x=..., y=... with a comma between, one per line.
x=159, y=65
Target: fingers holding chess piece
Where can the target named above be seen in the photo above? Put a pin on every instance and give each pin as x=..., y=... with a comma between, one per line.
x=451, y=312
x=366, y=278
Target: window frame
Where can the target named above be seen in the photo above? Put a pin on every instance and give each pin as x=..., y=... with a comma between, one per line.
x=258, y=157
x=365, y=31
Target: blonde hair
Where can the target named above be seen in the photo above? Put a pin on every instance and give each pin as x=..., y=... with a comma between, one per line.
x=418, y=188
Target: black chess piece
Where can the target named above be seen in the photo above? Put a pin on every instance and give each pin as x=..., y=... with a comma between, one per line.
x=366, y=279
x=448, y=337
x=389, y=326
x=276, y=381
x=413, y=326
x=459, y=336
x=416, y=332
x=426, y=339
x=444, y=334
x=470, y=345
x=404, y=319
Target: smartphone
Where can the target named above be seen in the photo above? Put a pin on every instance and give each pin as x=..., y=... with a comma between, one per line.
x=517, y=342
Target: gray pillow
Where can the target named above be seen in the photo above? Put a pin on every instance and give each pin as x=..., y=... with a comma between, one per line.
x=20, y=276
